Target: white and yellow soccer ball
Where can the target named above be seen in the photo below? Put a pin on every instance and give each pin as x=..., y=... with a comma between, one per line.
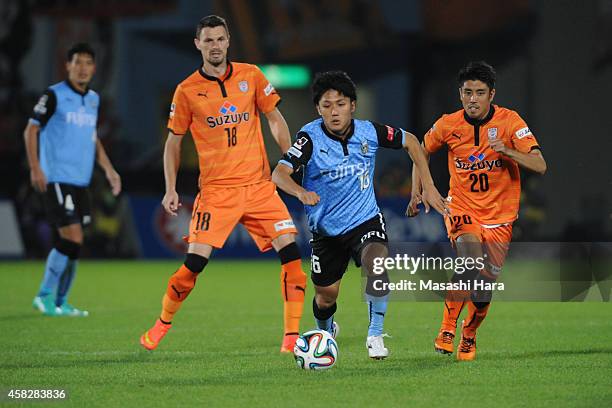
x=315, y=350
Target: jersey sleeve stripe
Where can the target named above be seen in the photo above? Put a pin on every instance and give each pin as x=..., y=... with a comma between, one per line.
x=176, y=134
x=286, y=163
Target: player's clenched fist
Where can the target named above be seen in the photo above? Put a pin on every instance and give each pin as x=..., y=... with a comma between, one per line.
x=309, y=197
x=498, y=146
x=171, y=202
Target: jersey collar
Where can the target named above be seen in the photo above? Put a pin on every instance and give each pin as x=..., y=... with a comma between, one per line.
x=480, y=122
x=339, y=139
x=76, y=90
x=225, y=77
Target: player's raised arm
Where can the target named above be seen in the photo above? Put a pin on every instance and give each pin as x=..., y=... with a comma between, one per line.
x=111, y=175
x=172, y=161
x=430, y=194
x=37, y=177
x=279, y=129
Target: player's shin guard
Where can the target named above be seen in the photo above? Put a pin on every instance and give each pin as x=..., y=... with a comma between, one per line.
x=293, y=287
x=181, y=283
x=454, y=302
x=324, y=317
x=477, y=311
x=377, y=301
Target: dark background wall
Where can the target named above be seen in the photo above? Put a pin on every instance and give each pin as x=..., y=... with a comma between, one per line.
x=554, y=63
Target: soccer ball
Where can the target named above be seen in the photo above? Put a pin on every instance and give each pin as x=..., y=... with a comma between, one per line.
x=315, y=350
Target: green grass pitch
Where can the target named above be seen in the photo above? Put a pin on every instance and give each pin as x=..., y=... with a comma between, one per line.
x=223, y=348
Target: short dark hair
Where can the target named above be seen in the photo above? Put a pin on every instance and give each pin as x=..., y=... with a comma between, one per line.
x=477, y=71
x=80, y=48
x=211, y=21
x=337, y=80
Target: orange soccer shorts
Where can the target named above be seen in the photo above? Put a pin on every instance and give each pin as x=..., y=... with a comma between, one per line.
x=495, y=239
x=258, y=207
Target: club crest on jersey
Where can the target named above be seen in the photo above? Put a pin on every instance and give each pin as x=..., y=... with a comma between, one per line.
x=243, y=86
x=229, y=116
x=364, y=147
x=492, y=133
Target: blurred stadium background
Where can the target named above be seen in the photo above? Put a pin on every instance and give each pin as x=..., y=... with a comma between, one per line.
x=554, y=63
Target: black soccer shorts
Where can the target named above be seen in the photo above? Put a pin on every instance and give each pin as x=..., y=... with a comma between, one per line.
x=331, y=255
x=67, y=204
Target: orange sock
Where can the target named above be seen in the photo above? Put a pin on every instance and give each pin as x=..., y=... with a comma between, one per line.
x=293, y=288
x=474, y=319
x=453, y=305
x=180, y=285
x=169, y=308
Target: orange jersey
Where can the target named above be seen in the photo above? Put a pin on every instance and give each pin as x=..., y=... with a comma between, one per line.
x=223, y=117
x=482, y=182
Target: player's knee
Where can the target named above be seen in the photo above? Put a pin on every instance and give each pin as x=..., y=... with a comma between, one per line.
x=370, y=256
x=69, y=248
x=468, y=275
x=289, y=253
x=469, y=246
x=195, y=263
x=481, y=305
x=325, y=300
x=321, y=309
x=282, y=241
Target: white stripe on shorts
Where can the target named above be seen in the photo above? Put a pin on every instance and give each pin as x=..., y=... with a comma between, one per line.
x=382, y=221
x=58, y=193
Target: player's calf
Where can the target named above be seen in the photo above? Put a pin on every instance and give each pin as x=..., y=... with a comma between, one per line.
x=180, y=285
x=293, y=288
x=324, y=313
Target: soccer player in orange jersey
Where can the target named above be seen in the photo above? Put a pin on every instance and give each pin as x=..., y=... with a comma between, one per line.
x=486, y=145
x=220, y=103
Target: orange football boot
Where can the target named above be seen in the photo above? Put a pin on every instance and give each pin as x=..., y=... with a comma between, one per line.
x=443, y=344
x=151, y=338
x=467, y=347
x=288, y=343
